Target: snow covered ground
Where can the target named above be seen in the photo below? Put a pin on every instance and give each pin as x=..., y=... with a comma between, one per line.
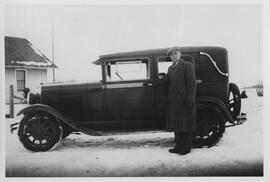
x=239, y=153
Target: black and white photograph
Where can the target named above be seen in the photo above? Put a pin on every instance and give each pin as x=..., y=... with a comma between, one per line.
x=167, y=89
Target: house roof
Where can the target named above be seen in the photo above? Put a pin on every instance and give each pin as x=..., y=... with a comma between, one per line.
x=19, y=52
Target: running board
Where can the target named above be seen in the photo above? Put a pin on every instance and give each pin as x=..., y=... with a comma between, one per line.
x=110, y=133
x=122, y=132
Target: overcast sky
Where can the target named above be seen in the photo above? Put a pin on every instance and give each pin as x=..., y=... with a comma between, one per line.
x=83, y=32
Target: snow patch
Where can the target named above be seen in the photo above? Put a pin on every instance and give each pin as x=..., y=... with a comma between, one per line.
x=33, y=63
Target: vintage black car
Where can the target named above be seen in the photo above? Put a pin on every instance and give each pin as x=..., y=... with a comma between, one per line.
x=130, y=97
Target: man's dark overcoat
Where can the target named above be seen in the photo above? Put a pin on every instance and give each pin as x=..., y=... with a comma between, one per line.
x=182, y=90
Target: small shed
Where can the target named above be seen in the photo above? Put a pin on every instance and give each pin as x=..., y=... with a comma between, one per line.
x=25, y=66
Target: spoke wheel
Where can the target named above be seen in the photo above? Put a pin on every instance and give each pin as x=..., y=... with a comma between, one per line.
x=210, y=126
x=234, y=97
x=39, y=131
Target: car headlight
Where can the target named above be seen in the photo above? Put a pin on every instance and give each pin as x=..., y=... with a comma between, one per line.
x=33, y=98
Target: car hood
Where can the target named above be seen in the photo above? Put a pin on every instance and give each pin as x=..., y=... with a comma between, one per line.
x=68, y=86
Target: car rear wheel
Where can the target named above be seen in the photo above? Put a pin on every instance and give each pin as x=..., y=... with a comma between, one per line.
x=39, y=131
x=234, y=97
x=210, y=126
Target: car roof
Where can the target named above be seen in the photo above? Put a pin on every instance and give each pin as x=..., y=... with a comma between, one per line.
x=160, y=51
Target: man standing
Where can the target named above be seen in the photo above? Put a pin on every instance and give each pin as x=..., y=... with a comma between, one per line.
x=181, y=101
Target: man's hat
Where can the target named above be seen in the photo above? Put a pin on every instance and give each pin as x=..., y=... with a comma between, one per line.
x=173, y=49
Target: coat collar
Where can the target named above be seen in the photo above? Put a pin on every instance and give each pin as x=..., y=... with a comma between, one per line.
x=175, y=69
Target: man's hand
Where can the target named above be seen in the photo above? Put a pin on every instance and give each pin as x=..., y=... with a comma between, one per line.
x=189, y=103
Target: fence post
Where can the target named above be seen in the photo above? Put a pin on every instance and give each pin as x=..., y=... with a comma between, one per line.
x=11, y=102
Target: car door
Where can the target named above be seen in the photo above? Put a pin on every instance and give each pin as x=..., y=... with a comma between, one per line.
x=162, y=63
x=129, y=97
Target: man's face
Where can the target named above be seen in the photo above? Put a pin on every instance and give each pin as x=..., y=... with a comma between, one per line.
x=175, y=55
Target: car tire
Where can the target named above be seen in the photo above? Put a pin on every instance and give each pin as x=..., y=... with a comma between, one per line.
x=234, y=98
x=39, y=131
x=210, y=126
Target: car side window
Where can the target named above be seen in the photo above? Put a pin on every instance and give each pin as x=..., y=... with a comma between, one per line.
x=164, y=62
x=127, y=69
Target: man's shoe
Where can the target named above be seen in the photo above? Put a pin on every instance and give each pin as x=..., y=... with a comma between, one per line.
x=184, y=152
x=174, y=150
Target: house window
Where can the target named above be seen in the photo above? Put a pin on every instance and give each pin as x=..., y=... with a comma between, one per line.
x=20, y=79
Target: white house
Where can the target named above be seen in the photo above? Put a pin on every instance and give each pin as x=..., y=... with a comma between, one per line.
x=25, y=66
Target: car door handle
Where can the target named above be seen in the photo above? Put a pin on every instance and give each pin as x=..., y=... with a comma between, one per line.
x=198, y=81
x=147, y=84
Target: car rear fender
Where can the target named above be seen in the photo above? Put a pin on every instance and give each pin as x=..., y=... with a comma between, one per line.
x=217, y=104
x=69, y=121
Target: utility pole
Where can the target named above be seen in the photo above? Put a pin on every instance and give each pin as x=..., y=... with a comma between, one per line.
x=53, y=48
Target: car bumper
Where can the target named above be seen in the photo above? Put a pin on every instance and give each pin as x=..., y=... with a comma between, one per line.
x=13, y=127
x=239, y=120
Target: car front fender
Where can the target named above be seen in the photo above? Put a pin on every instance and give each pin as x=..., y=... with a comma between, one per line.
x=64, y=118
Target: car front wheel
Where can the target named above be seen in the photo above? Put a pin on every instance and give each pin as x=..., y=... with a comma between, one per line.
x=39, y=131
